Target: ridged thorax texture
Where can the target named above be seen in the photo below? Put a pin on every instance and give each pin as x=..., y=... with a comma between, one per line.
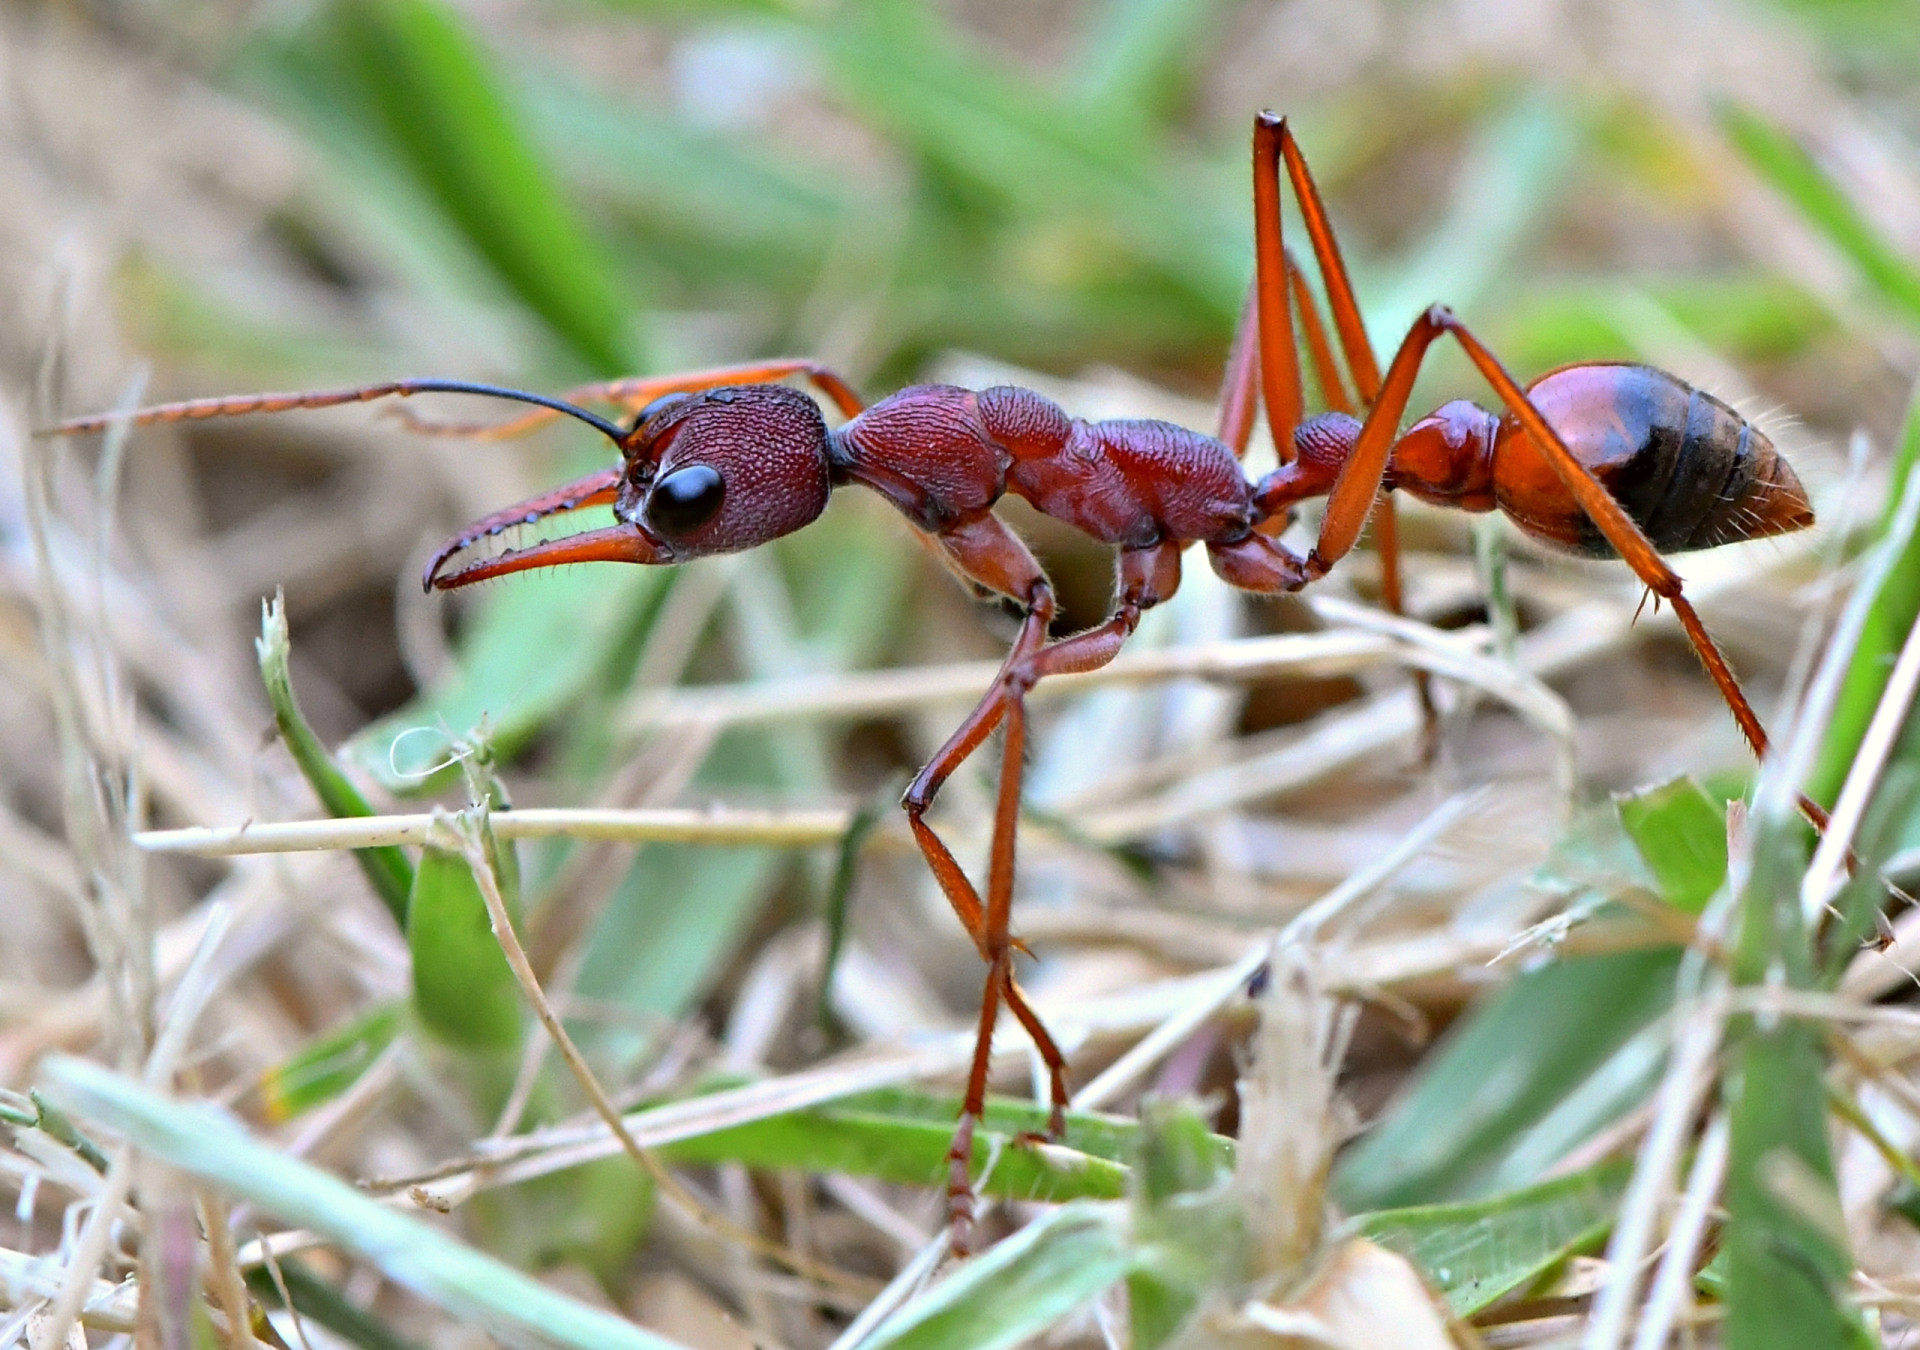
x=944, y=454
x=925, y=450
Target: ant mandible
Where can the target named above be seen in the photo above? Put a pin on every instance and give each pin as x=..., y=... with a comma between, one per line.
x=1599, y=459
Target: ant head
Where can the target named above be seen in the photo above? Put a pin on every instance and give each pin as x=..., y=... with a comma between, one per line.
x=724, y=470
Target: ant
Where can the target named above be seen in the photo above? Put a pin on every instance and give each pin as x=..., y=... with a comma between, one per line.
x=1598, y=459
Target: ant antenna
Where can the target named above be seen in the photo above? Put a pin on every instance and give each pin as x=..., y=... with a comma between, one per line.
x=194, y=410
x=600, y=424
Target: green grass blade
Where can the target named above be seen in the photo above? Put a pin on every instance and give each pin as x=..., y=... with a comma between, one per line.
x=1788, y=1263
x=1480, y=1251
x=463, y=990
x=533, y=649
x=1748, y=316
x=1506, y=1071
x=670, y=924
x=51, y=1121
x=1890, y=590
x=1189, y=1225
x=1681, y=835
x=445, y=111
x=205, y=1142
x=903, y=1138
x=314, y=1298
x=846, y=864
x=1504, y=191
x=1050, y=1268
x=1138, y=55
x=1796, y=175
x=722, y=202
x=329, y=1064
x=388, y=870
x=593, y=1218
x=1037, y=158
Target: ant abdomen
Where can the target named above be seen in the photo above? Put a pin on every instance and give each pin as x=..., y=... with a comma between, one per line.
x=1691, y=471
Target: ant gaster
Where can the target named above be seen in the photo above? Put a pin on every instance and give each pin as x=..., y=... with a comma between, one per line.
x=1605, y=460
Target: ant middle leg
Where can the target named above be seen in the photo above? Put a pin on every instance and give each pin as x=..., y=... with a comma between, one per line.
x=987, y=552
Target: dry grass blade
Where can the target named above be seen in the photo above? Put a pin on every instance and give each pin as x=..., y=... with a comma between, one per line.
x=875, y=693
x=1669, y=1298
x=26, y=1279
x=717, y=825
x=1688, y=1078
x=467, y=834
x=1303, y=928
x=877, y=186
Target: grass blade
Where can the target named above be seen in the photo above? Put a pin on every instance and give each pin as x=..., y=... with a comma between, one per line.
x=462, y=988
x=1480, y=1251
x=204, y=1141
x=328, y=1065
x=443, y=107
x=1138, y=55
x=1681, y=834
x=528, y=654
x=902, y=1137
x=1895, y=602
x=1044, y=160
x=1788, y=1261
x=1796, y=175
x=388, y=870
x=1189, y=1225
x=1507, y=1068
x=314, y=1298
x=1047, y=1270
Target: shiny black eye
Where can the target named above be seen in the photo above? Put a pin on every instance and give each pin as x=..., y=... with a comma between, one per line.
x=653, y=409
x=685, y=499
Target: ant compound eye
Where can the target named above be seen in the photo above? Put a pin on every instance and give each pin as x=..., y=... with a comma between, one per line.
x=685, y=499
x=655, y=408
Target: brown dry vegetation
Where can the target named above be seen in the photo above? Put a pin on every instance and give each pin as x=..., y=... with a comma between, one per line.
x=164, y=232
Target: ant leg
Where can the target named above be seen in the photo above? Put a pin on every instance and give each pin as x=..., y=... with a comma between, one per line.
x=1148, y=576
x=1619, y=528
x=635, y=392
x=986, y=551
x=1279, y=359
x=1240, y=385
x=960, y=1149
x=1274, y=142
x=240, y=405
x=1050, y=1055
x=1324, y=369
x=1386, y=542
x=1346, y=505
